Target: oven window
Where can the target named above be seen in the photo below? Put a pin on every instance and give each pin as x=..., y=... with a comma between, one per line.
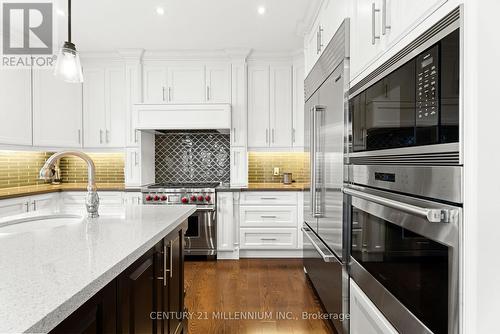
x=413, y=268
x=193, y=229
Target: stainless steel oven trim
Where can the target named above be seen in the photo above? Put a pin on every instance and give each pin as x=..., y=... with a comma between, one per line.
x=207, y=219
x=408, y=55
x=447, y=234
x=444, y=233
x=438, y=148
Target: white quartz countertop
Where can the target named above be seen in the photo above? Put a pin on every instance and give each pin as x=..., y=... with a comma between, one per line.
x=46, y=274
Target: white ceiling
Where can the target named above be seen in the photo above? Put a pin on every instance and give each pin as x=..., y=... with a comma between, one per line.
x=106, y=25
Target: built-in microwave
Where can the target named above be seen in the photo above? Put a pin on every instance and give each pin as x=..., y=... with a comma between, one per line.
x=412, y=102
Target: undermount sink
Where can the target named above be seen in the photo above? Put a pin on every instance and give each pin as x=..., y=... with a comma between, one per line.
x=37, y=223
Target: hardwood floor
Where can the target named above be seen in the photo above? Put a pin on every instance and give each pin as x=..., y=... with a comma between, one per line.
x=218, y=292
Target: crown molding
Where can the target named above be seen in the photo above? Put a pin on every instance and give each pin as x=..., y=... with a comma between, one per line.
x=131, y=55
x=304, y=26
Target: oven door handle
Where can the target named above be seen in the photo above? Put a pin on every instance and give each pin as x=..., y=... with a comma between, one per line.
x=432, y=215
x=326, y=257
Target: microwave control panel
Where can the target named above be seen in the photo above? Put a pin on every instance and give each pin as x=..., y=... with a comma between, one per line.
x=427, y=88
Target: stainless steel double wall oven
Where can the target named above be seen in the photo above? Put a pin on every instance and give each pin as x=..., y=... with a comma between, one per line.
x=403, y=191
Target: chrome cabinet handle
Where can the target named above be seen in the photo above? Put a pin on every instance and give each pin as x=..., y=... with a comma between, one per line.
x=270, y=217
x=164, y=265
x=326, y=257
x=135, y=136
x=385, y=26
x=135, y=159
x=79, y=136
x=208, y=93
x=169, y=94
x=264, y=198
x=100, y=136
x=268, y=239
x=432, y=215
x=320, y=39
x=27, y=205
x=107, y=136
x=293, y=135
x=374, y=36
x=272, y=131
x=163, y=93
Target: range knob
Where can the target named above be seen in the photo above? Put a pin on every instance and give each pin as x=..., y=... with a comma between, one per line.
x=164, y=198
x=148, y=198
x=157, y=198
x=184, y=200
x=200, y=198
x=208, y=198
x=193, y=198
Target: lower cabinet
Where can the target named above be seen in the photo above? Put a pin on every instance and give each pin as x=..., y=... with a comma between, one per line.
x=148, y=297
x=365, y=317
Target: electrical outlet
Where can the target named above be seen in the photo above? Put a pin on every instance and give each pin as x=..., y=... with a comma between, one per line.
x=276, y=171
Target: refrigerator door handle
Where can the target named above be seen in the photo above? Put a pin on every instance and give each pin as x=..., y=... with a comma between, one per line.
x=311, y=237
x=312, y=156
x=317, y=112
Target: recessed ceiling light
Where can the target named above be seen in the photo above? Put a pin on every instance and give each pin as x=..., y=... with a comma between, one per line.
x=261, y=10
x=160, y=10
x=60, y=12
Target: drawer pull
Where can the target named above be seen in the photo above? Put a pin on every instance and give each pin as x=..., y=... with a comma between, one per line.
x=270, y=217
x=264, y=198
x=268, y=239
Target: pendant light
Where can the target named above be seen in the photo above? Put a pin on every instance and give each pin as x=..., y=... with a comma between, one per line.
x=68, y=66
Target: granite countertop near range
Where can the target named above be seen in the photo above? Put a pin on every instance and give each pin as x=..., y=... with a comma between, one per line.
x=49, y=188
x=46, y=274
x=267, y=187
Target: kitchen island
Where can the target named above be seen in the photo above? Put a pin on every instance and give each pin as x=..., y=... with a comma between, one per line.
x=89, y=273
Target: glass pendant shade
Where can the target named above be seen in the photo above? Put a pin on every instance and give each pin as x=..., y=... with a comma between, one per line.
x=68, y=66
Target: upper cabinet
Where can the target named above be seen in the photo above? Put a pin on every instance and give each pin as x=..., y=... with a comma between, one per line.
x=104, y=106
x=57, y=111
x=239, y=105
x=329, y=18
x=270, y=105
x=15, y=107
x=186, y=83
x=376, y=25
x=298, y=105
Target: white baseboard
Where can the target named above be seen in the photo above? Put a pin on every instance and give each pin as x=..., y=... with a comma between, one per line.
x=228, y=255
x=252, y=253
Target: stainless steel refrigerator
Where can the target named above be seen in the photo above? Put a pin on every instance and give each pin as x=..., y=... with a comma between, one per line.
x=323, y=232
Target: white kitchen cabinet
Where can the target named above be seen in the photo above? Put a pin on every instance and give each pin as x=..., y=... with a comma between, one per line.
x=298, y=106
x=132, y=197
x=280, y=119
x=110, y=202
x=15, y=107
x=132, y=167
x=239, y=105
x=269, y=198
x=44, y=201
x=218, y=83
x=268, y=216
x=258, y=105
x=270, y=106
x=155, y=83
x=14, y=206
x=268, y=238
x=57, y=111
x=104, y=107
x=365, y=317
x=186, y=84
x=239, y=167
x=225, y=223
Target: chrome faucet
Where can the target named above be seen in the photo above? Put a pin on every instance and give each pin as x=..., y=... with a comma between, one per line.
x=48, y=171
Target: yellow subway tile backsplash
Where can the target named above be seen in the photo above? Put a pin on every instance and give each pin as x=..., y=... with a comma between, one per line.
x=19, y=168
x=261, y=164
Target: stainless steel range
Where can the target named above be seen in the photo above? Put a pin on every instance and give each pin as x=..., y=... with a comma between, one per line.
x=201, y=235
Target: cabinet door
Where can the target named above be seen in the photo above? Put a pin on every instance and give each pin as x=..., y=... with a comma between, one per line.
x=176, y=280
x=239, y=167
x=298, y=106
x=15, y=107
x=239, y=105
x=332, y=14
x=365, y=317
x=137, y=297
x=116, y=98
x=225, y=222
x=258, y=106
x=45, y=201
x=96, y=316
x=132, y=167
x=218, y=83
x=281, y=106
x=57, y=111
x=15, y=206
x=403, y=15
x=155, y=84
x=364, y=49
x=186, y=84
x=94, y=107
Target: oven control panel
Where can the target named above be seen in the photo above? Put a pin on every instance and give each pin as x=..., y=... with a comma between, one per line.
x=427, y=86
x=200, y=199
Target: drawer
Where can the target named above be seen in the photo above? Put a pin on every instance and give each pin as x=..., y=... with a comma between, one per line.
x=105, y=198
x=268, y=238
x=268, y=198
x=268, y=216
